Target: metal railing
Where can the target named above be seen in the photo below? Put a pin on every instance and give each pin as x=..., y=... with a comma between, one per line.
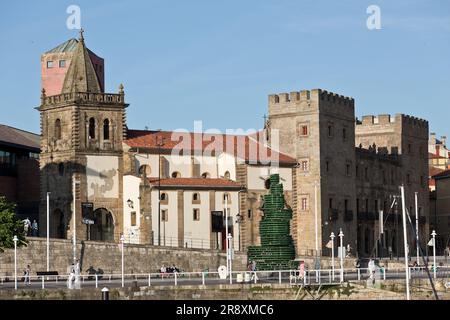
x=291, y=277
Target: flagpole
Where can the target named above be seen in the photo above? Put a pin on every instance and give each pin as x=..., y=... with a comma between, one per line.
x=405, y=242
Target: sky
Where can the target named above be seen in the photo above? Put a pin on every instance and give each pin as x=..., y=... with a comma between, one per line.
x=182, y=61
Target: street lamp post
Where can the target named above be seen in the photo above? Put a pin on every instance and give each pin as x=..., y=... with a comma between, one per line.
x=15, y=239
x=332, y=236
x=75, y=182
x=226, y=232
x=48, y=231
x=405, y=242
x=434, y=234
x=239, y=220
x=122, y=242
x=341, y=250
x=159, y=143
x=417, y=228
x=230, y=246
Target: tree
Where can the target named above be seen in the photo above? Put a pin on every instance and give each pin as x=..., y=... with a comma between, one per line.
x=10, y=225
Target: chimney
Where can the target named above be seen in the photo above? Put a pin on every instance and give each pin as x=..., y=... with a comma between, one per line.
x=444, y=140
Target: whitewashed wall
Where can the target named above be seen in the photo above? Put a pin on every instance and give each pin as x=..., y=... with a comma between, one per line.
x=131, y=192
x=197, y=233
x=169, y=228
x=102, y=176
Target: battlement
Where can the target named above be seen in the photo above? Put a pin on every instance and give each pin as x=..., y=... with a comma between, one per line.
x=311, y=95
x=399, y=118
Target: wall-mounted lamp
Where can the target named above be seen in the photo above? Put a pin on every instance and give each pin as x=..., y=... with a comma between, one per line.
x=130, y=203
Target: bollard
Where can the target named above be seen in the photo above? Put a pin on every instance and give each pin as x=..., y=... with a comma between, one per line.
x=203, y=278
x=176, y=282
x=105, y=293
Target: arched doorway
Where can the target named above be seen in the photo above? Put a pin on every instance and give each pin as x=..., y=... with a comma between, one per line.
x=57, y=227
x=103, y=227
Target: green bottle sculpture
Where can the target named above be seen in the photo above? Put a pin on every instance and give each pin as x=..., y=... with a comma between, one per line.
x=277, y=250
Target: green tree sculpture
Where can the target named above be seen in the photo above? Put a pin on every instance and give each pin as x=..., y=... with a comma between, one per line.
x=10, y=226
x=277, y=250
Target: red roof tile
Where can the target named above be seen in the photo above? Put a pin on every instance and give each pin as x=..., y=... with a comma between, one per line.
x=195, y=182
x=244, y=147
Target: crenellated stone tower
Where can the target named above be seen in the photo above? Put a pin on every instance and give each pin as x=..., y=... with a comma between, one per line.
x=82, y=132
x=318, y=129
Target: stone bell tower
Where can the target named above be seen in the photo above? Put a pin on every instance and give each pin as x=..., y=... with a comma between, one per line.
x=82, y=131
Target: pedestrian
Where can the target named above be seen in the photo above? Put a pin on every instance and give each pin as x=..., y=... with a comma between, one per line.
x=77, y=272
x=349, y=248
x=26, y=226
x=254, y=276
x=27, y=273
x=390, y=252
x=34, y=228
x=71, y=276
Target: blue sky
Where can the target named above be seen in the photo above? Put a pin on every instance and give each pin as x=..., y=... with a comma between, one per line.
x=214, y=61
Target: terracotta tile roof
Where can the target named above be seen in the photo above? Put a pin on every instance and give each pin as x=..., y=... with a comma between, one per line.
x=243, y=147
x=443, y=174
x=195, y=182
x=19, y=138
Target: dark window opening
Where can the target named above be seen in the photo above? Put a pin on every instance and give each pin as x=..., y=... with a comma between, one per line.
x=91, y=128
x=106, y=129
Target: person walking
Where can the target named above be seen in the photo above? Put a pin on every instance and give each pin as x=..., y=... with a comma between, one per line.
x=27, y=273
x=34, y=228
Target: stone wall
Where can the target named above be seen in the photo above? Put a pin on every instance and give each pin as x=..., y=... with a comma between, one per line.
x=106, y=257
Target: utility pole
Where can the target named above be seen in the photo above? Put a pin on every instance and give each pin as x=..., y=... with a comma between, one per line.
x=405, y=242
x=48, y=231
x=159, y=143
x=417, y=227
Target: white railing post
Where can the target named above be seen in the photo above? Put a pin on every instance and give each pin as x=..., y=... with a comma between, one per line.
x=255, y=276
x=384, y=273
x=329, y=276
x=96, y=280
x=56, y=279
x=149, y=280
x=359, y=274
x=176, y=282
x=43, y=282
x=279, y=277
x=203, y=278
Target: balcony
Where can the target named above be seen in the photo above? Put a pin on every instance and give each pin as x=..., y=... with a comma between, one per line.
x=333, y=214
x=348, y=216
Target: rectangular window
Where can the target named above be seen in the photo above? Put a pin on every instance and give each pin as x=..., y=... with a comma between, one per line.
x=304, y=165
x=49, y=64
x=62, y=63
x=196, y=214
x=304, y=204
x=327, y=163
x=347, y=169
x=164, y=215
x=344, y=134
x=330, y=203
x=249, y=213
x=133, y=218
x=304, y=130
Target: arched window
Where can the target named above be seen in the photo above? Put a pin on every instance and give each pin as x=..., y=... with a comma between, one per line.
x=91, y=128
x=196, y=197
x=227, y=175
x=206, y=175
x=106, y=129
x=176, y=174
x=164, y=196
x=57, y=129
x=145, y=170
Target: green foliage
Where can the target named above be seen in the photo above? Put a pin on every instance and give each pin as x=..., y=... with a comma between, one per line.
x=10, y=226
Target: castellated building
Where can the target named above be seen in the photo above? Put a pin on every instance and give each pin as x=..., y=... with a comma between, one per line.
x=162, y=187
